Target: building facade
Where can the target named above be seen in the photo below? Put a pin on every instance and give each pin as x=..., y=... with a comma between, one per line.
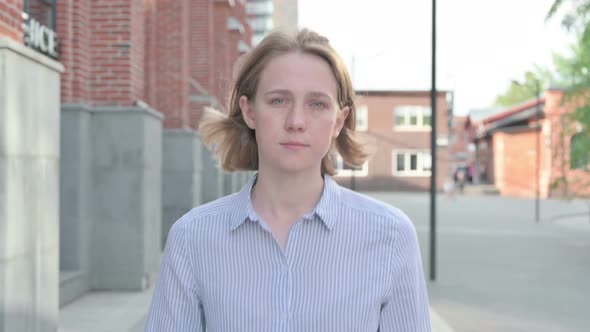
x=526, y=149
x=266, y=15
x=461, y=149
x=100, y=101
x=396, y=127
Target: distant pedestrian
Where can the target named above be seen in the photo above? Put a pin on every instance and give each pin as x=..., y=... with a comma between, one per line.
x=292, y=251
x=461, y=180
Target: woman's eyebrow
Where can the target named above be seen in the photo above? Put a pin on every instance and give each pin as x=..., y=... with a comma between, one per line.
x=318, y=94
x=278, y=91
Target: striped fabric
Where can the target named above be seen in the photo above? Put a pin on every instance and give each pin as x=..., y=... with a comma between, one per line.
x=352, y=264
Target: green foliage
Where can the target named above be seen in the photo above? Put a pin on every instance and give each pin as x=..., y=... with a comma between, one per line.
x=580, y=151
x=519, y=92
x=575, y=68
x=575, y=18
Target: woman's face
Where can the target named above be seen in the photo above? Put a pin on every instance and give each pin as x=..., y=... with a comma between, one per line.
x=295, y=113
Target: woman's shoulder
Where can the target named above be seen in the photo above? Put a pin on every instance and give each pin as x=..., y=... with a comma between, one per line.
x=211, y=211
x=373, y=207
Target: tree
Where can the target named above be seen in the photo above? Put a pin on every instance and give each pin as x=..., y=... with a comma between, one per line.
x=576, y=17
x=576, y=67
x=520, y=91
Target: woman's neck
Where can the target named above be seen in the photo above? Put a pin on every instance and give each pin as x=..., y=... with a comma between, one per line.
x=286, y=197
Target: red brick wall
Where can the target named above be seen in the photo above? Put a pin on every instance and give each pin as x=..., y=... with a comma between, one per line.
x=515, y=163
x=202, y=53
x=73, y=30
x=214, y=50
x=240, y=14
x=173, y=64
x=117, y=46
x=138, y=41
x=150, y=85
x=460, y=142
x=202, y=59
x=486, y=160
x=11, y=19
x=222, y=51
x=560, y=148
x=119, y=51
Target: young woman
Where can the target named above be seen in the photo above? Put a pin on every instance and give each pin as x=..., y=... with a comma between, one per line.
x=293, y=251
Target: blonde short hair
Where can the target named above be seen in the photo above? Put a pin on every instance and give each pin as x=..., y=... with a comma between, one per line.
x=234, y=143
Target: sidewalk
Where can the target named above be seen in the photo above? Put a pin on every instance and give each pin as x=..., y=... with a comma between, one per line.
x=126, y=312
x=106, y=312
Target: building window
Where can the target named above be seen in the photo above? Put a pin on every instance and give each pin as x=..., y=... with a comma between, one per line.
x=39, y=25
x=362, y=118
x=259, y=8
x=411, y=117
x=261, y=24
x=42, y=11
x=412, y=163
x=579, y=151
x=343, y=169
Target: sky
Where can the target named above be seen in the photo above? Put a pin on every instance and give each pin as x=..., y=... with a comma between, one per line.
x=481, y=45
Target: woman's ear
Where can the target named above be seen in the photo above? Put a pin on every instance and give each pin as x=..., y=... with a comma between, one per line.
x=247, y=112
x=340, y=119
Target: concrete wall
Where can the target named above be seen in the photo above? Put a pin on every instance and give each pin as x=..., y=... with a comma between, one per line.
x=127, y=187
x=181, y=176
x=29, y=189
x=212, y=183
x=229, y=180
x=75, y=201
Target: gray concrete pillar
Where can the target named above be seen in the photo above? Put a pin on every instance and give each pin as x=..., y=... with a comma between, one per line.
x=228, y=183
x=181, y=175
x=75, y=201
x=212, y=178
x=127, y=197
x=29, y=189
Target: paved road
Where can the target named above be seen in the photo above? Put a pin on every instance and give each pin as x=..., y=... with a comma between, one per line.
x=500, y=271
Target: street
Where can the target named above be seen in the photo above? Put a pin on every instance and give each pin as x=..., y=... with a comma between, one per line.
x=497, y=270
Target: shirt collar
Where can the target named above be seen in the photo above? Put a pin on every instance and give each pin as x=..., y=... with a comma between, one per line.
x=326, y=208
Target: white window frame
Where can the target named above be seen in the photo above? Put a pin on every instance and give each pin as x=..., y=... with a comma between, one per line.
x=362, y=113
x=260, y=8
x=421, y=159
x=341, y=172
x=407, y=109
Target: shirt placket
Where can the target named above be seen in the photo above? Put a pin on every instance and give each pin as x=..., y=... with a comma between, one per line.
x=286, y=269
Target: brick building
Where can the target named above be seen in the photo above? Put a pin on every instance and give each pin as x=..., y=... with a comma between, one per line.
x=527, y=147
x=461, y=148
x=266, y=15
x=99, y=101
x=397, y=127
x=175, y=56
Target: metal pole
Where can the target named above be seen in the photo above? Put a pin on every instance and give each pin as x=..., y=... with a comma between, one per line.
x=538, y=154
x=433, y=152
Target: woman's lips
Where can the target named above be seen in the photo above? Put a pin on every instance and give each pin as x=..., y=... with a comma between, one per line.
x=294, y=145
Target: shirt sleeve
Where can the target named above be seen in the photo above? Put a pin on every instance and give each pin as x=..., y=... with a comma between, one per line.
x=406, y=307
x=175, y=304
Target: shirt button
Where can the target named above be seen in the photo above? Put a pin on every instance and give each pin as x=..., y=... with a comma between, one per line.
x=285, y=316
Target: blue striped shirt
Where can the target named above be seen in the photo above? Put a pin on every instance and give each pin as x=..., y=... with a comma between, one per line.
x=352, y=264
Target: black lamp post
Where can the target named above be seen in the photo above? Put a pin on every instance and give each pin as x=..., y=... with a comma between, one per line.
x=539, y=129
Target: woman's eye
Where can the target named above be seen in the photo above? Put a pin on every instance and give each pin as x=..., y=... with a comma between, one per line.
x=278, y=101
x=318, y=105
